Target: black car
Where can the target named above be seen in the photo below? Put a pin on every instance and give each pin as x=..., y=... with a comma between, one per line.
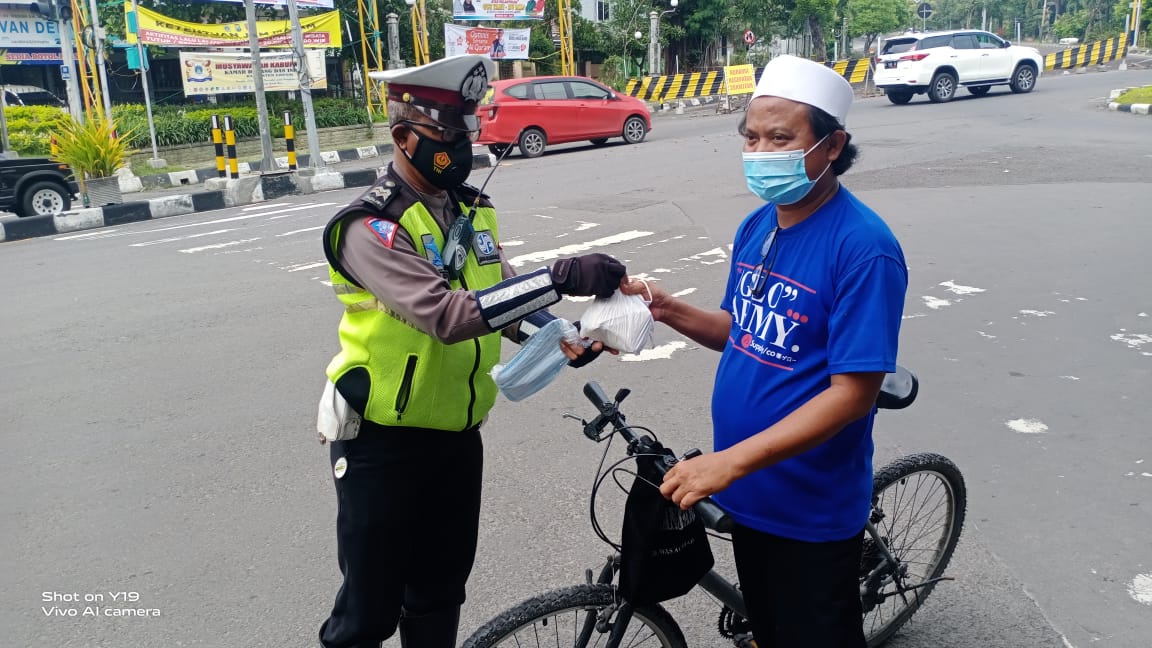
x=36, y=186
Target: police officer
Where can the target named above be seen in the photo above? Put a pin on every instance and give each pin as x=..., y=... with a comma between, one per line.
x=427, y=294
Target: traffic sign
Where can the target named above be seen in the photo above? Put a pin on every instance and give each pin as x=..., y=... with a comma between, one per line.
x=924, y=10
x=65, y=73
x=749, y=37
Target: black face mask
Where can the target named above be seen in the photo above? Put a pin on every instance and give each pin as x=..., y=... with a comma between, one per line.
x=444, y=165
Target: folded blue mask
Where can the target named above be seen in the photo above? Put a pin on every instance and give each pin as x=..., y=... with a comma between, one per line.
x=537, y=363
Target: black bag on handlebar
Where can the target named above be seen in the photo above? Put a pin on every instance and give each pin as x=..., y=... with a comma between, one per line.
x=664, y=550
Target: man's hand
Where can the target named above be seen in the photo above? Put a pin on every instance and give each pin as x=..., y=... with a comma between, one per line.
x=590, y=275
x=692, y=480
x=583, y=354
x=659, y=299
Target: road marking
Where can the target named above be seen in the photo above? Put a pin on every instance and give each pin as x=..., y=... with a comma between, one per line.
x=219, y=245
x=265, y=206
x=1027, y=426
x=662, y=352
x=935, y=303
x=296, y=209
x=548, y=255
x=1036, y=313
x=299, y=231
x=305, y=266
x=98, y=233
x=1141, y=588
x=584, y=226
x=961, y=290
x=686, y=291
x=181, y=238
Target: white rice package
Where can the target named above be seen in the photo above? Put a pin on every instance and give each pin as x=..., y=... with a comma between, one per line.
x=621, y=321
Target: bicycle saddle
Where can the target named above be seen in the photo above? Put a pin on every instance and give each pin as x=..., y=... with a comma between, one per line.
x=898, y=390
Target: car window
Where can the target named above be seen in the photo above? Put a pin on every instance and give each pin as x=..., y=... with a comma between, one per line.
x=551, y=90
x=585, y=90
x=932, y=42
x=898, y=45
x=988, y=41
x=519, y=91
x=39, y=99
x=964, y=41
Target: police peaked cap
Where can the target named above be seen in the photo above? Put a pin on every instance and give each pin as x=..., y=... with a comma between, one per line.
x=447, y=90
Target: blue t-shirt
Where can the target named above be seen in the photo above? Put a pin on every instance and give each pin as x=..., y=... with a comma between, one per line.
x=831, y=305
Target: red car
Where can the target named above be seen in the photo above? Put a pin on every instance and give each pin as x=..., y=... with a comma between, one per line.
x=537, y=111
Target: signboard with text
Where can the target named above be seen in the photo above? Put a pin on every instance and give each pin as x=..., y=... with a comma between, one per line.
x=20, y=28
x=496, y=43
x=484, y=10
x=211, y=73
x=320, y=31
x=740, y=79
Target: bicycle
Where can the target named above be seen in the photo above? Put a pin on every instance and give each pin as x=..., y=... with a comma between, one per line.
x=904, y=556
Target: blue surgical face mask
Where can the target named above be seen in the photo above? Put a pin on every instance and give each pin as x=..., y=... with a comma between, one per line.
x=780, y=177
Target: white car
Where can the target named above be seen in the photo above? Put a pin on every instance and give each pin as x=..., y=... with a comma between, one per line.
x=940, y=63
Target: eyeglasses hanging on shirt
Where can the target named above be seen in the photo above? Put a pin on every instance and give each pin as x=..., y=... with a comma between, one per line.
x=760, y=280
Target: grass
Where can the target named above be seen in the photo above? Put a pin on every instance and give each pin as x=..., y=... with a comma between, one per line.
x=1137, y=96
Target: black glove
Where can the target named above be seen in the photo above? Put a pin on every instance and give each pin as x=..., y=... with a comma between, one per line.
x=588, y=356
x=589, y=275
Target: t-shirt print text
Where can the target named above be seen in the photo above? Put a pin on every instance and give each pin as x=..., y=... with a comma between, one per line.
x=769, y=321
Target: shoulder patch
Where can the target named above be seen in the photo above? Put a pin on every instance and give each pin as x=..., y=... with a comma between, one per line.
x=378, y=197
x=385, y=230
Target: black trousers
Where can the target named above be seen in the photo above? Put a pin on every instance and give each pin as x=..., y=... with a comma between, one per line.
x=406, y=527
x=800, y=594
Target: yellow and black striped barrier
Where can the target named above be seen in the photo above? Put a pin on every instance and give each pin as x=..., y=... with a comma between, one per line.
x=703, y=84
x=218, y=145
x=1088, y=54
x=290, y=140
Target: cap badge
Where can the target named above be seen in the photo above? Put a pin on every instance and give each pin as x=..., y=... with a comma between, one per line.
x=475, y=84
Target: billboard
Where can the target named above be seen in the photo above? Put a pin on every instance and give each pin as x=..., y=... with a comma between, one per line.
x=320, y=31
x=303, y=4
x=492, y=42
x=210, y=73
x=20, y=28
x=484, y=10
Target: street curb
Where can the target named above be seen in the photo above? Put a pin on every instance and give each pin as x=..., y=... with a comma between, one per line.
x=221, y=193
x=198, y=176
x=1136, y=109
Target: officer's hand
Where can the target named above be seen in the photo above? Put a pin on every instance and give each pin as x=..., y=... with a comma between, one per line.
x=583, y=354
x=590, y=275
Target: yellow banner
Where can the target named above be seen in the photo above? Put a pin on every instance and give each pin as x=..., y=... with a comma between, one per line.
x=320, y=31
x=740, y=79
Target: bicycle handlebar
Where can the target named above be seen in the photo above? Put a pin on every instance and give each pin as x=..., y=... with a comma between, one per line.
x=710, y=513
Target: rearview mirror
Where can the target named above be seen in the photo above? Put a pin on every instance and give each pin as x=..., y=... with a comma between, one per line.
x=1007, y=43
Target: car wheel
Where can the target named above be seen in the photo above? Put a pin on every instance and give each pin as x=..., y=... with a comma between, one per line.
x=899, y=98
x=498, y=149
x=979, y=91
x=634, y=130
x=942, y=88
x=532, y=142
x=45, y=199
x=599, y=141
x=1023, y=79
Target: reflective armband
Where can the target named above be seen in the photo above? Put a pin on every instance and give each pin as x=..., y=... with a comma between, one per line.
x=516, y=298
x=531, y=324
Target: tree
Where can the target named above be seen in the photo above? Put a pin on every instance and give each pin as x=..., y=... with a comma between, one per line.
x=873, y=18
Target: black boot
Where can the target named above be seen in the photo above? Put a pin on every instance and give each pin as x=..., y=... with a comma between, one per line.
x=433, y=630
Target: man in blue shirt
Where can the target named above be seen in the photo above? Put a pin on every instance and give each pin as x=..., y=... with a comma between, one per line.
x=808, y=328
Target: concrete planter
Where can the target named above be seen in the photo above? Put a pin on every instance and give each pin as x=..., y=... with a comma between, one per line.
x=103, y=191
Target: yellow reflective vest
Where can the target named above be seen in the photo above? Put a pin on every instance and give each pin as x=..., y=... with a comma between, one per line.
x=396, y=375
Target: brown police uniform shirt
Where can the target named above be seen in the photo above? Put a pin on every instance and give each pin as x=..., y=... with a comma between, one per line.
x=404, y=281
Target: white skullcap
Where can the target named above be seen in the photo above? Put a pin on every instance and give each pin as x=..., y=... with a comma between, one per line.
x=807, y=82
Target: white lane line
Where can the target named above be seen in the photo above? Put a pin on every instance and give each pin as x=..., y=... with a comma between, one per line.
x=99, y=233
x=218, y=246
x=305, y=266
x=299, y=231
x=1037, y=313
x=935, y=303
x=586, y=226
x=182, y=238
x=1027, y=426
x=662, y=352
x=265, y=206
x=961, y=290
x=548, y=255
x=1140, y=588
x=296, y=209
x=686, y=291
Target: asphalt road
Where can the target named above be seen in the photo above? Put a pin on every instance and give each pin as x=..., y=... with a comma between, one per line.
x=160, y=382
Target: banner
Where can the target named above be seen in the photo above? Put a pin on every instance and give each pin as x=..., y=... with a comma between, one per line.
x=19, y=28
x=303, y=4
x=30, y=56
x=492, y=42
x=483, y=10
x=740, y=79
x=320, y=31
x=211, y=73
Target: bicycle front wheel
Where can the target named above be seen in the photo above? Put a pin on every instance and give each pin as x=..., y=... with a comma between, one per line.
x=918, y=505
x=567, y=617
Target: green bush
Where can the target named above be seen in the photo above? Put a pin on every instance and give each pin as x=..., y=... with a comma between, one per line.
x=30, y=128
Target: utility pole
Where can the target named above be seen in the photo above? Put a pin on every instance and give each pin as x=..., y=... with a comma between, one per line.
x=62, y=13
x=314, y=159
x=269, y=163
x=394, y=62
x=155, y=162
x=98, y=36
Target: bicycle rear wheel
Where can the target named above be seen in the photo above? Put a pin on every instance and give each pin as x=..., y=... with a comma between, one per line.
x=560, y=618
x=918, y=505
